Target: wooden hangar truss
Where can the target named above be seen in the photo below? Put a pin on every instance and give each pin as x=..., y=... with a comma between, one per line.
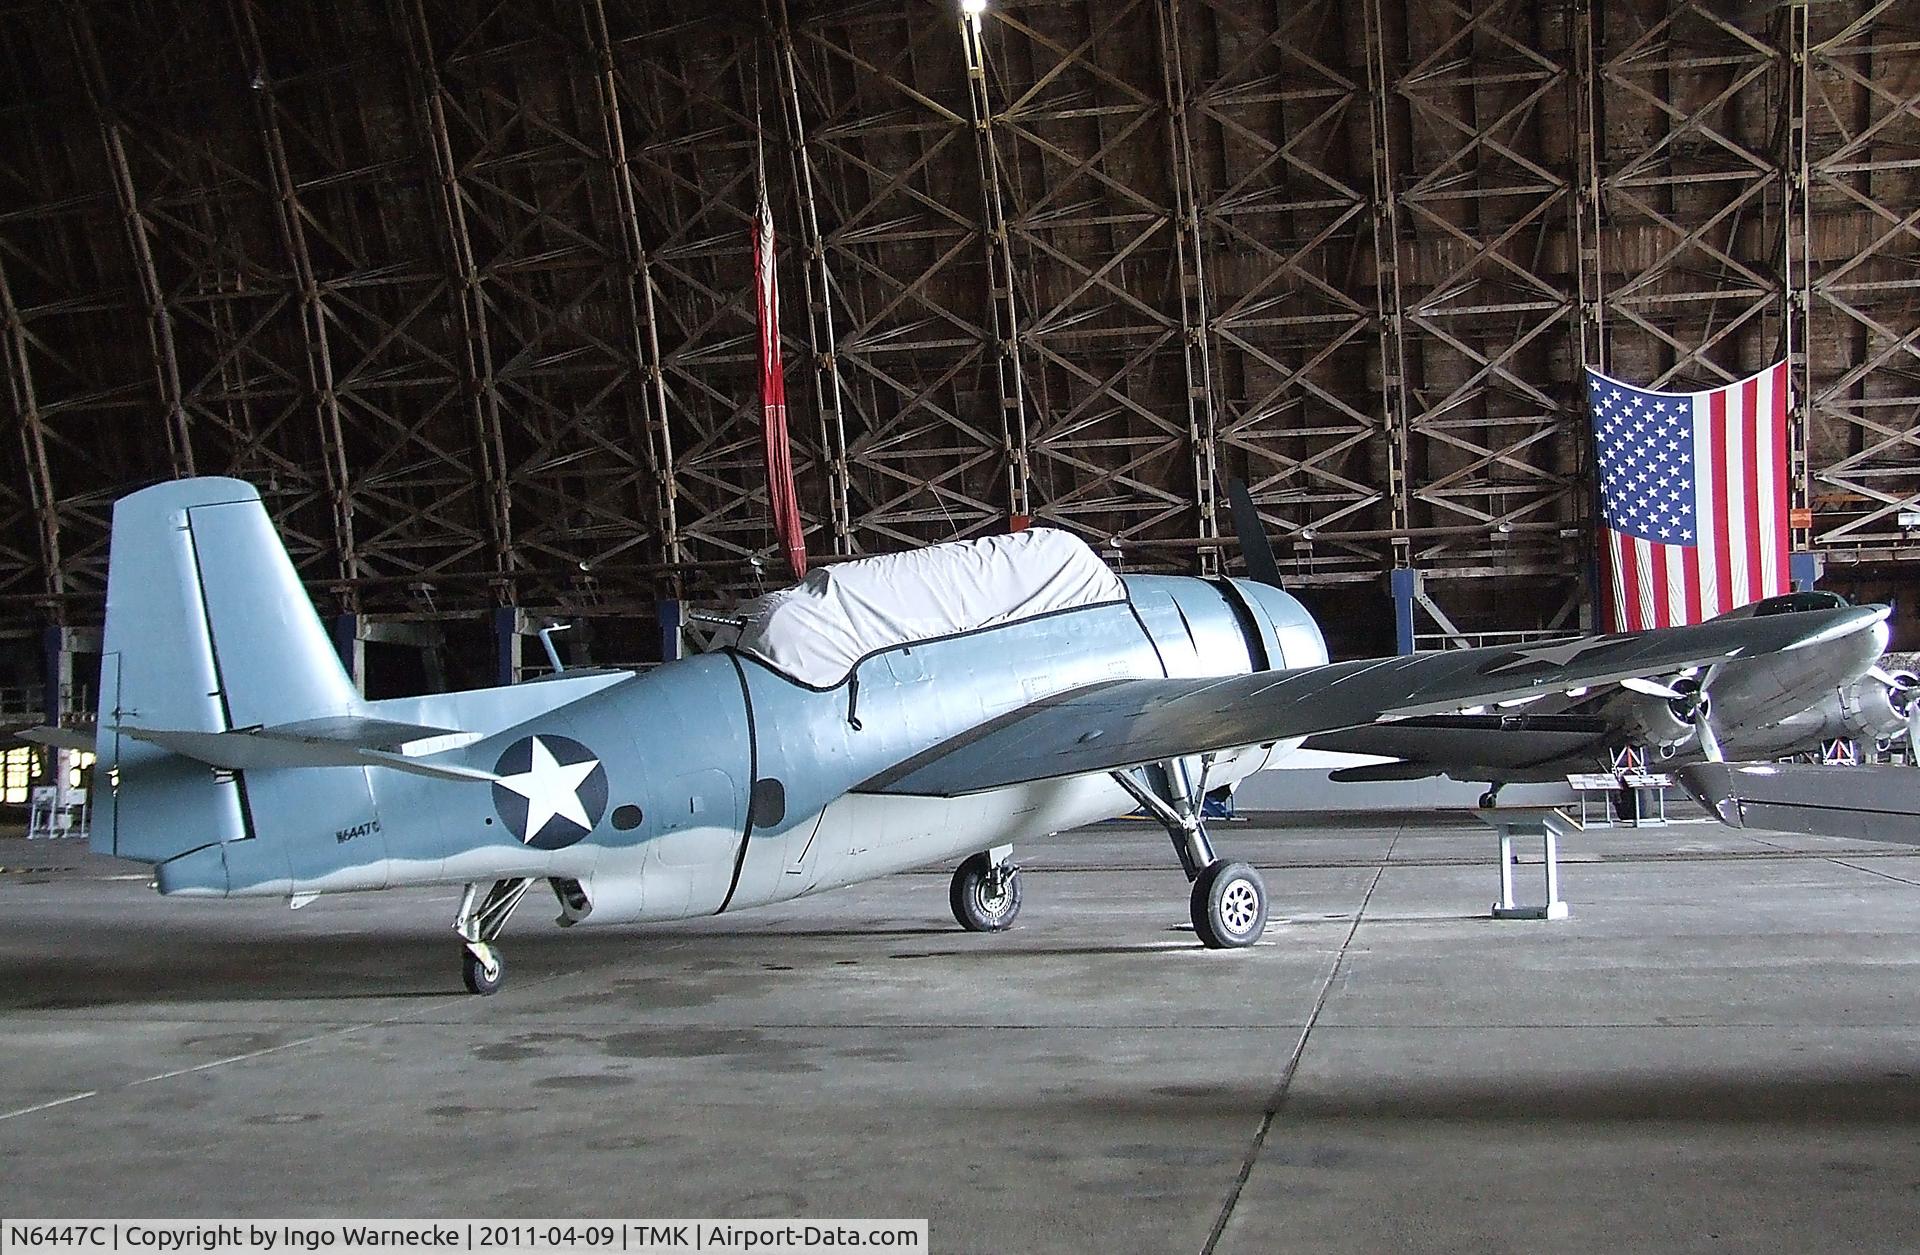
x=466, y=287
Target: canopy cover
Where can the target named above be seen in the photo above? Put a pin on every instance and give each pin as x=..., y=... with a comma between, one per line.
x=818, y=629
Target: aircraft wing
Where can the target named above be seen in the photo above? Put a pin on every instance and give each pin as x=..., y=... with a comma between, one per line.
x=1124, y=723
x=1490, y=742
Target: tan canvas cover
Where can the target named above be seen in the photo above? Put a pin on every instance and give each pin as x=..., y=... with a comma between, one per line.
x=818, y=629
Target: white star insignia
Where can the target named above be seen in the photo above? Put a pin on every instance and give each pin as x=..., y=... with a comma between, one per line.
x=551, y=788
x=1559, y=653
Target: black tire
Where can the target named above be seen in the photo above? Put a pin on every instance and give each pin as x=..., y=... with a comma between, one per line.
x=474, y=972
x=1229, y=906
x=977, y=904
x=1626, y=805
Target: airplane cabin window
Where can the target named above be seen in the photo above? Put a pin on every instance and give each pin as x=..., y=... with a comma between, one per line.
x=1794, y=603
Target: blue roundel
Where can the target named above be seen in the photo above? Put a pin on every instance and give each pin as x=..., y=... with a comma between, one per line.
x=551, y=792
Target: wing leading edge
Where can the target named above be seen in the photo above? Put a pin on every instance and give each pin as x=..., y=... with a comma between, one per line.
x=1123, y=723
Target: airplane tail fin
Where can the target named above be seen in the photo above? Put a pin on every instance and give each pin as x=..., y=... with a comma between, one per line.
x=208, y=631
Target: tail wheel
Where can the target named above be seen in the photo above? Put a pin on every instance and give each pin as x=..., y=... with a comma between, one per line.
x=1229, y=906
x=985, y=897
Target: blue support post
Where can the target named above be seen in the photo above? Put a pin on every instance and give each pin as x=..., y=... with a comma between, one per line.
x=1401, y=582
x=667, y=611
x=506, y=645
x=346, y=643
x=1804, y=570
x=53, y=644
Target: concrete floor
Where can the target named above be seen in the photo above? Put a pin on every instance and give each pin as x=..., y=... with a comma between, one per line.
x=1719, y=1051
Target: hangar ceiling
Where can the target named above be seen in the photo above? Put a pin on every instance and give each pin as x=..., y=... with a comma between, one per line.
x=466, y=288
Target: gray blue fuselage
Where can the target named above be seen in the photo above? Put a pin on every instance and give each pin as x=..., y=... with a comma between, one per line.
x=727, y=784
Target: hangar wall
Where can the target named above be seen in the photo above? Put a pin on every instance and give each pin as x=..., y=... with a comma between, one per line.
x=466, y=287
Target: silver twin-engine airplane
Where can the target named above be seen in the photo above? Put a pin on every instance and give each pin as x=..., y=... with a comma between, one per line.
x=1757, y=706
x=882, y=714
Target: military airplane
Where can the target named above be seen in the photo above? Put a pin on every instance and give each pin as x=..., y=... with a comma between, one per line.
x=884, y=713
x=1748, y=708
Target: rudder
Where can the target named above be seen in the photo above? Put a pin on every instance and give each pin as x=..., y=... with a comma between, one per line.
x=208, y=629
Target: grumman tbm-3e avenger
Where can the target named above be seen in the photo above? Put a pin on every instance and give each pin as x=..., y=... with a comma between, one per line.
x=883, y=714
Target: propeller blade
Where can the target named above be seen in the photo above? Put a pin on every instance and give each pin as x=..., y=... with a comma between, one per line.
x=1703, y=728
x=1254, y=545
x=1903, y=691
x=1652, y=688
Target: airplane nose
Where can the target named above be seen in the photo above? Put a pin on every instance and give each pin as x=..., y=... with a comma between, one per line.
x=1875, y=625
x=1846, y=623
x=1854, y=641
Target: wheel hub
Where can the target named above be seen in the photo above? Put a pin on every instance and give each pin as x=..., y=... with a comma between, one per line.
x=1239, y=906
x=985, y=896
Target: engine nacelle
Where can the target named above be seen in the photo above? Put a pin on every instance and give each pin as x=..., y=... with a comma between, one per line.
x=1880, y=709
x=1666, y=722
x=1279, y=627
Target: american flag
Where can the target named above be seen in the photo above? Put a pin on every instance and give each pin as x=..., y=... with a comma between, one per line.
x=1693, y=488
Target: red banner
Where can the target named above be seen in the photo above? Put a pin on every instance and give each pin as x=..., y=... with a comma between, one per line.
x=782, y=501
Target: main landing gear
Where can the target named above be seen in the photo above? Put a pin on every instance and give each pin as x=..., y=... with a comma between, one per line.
x=479, y=921
x=986, y=891
x=1229, y=900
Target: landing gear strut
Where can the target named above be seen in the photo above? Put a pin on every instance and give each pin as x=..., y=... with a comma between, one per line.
x=986, y=891
x=478, y=922
x=1491, y=798
x=1229, y=900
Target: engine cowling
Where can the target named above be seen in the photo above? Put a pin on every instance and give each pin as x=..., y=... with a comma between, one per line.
x=1279, y=628
x=1666, y=722
x=1881, y=708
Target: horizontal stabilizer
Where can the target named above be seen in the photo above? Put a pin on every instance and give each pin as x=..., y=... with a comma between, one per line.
x=1872, y=803
x=346, y=741
x=59, y=738
x=1369, y=773
x=1464, y=744
x=367, y=732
